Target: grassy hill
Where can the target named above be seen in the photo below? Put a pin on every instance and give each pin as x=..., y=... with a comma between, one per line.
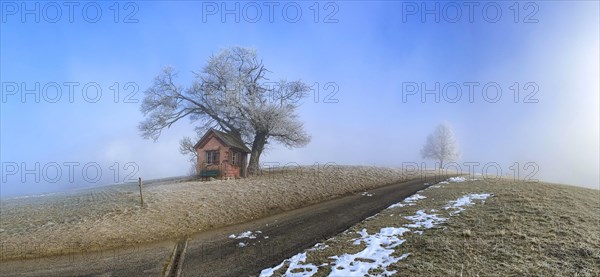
x=521, y=229
x=111, y=217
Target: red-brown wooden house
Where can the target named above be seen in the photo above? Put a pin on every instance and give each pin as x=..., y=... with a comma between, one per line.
x=223, y=152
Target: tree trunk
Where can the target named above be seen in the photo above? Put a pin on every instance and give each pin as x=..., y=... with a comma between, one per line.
x=257, y=147
x=441, y=163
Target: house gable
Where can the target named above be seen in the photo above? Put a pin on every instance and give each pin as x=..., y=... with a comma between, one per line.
x=207, y=138
x=224, y=139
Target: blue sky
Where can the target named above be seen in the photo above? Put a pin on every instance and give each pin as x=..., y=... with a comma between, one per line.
x=371, y=53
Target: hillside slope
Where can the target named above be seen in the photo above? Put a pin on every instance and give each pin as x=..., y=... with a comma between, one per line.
x=468, y=228
x=111, y=217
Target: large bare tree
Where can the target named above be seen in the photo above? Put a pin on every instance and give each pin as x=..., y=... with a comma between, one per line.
x=441, y=145
x=231, y=93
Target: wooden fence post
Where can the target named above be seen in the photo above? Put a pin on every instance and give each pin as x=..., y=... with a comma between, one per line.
x=141, y=196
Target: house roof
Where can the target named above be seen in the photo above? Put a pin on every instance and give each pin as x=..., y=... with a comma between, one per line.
x=227, y=139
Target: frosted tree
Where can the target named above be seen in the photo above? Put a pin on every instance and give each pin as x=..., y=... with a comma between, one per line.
x=186, y=147
x=441, y=145
x=231, y=93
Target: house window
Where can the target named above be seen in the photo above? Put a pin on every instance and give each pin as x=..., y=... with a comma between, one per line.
x=235, y=158
x=212, y=157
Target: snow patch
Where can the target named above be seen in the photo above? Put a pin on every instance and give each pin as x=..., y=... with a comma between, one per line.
x=376, y=255
x=319, y=246
x=457, y=179
x=466, y=200
x=295, y=263
x=414, y=198
x=421, y=219
x=247, y=234
x=409, y=201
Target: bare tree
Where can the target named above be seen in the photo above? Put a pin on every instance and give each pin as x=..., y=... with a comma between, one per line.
x=233, y=94
x=441, y=145
x=186, y=147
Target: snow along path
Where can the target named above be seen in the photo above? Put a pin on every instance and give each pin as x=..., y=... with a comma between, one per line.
x=379, y=247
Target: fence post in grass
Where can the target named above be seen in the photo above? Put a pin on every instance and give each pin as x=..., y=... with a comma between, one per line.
x=141, y=197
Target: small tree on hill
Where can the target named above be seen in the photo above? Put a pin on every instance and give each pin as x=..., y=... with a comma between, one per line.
x=186, y=147
x=441, y=145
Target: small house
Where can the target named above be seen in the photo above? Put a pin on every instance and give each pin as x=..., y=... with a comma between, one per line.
x=221, y=155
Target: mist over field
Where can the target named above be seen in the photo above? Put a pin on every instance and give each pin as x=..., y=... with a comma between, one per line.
x=521, y=91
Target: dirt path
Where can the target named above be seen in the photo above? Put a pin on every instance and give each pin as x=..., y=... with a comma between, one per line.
x=213, y=253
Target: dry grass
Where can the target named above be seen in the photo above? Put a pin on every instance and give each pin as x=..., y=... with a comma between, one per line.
x=111, y=217
x=526, y=229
